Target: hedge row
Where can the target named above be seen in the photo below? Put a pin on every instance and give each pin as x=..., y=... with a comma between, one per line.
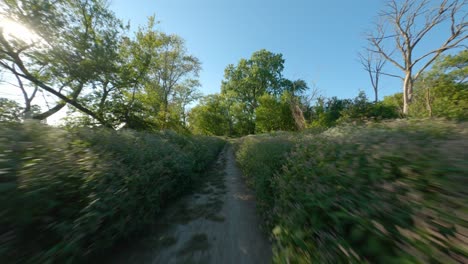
x=382, y=193
x=65, y=195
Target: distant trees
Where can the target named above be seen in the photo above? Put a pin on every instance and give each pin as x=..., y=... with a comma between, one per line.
x=254, y=98
x=81, y=54
x=410, y=22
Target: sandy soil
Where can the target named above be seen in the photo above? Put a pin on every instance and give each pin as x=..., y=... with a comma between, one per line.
x=216, y=224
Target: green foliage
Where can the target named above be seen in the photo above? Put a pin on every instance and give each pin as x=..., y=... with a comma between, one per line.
x=395, y=102
x=66, y=195
x=274, y=114
x=361, y=109
x=455, y=66
x=443, y=91
x=260, y=157
x=252, y=78
x=10, y=111
x=220, y=114
x=440, y=97
x=294, y=87
x=211, y=117
x=382, y=193
x=333, y=111
x=328, y=111
x=77, y=47
x=85, y=58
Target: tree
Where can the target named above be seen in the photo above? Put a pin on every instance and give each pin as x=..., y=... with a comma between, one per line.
x=27, y=97
x=292, y=92
x=360, y=109
x=68, y=50
x=328, y=111
x=161, y=67
x=210, y=116
x=185, y=94
x=373, y=64
x=149, y=82
x=394, y=101
x=443, y=91
x=411, y=21
x=274, y=114
x=251, y=78
x=455, y=66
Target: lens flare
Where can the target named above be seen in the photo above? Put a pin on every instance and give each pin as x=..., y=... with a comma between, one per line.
x=16, y=31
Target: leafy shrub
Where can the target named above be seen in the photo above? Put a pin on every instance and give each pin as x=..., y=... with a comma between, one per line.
x=362, y=110
x=66, y=195
x=259, y=157
x=386, y=193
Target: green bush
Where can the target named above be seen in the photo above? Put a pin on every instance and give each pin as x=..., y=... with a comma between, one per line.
x=66, y=195
x=385, y=193
x=259, y=157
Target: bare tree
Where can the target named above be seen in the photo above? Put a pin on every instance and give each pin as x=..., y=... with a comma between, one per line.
x=411, y=21
x=373, y=64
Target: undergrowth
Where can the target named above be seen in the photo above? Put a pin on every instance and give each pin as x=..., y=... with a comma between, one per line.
x=66, y=195
x=379, y=193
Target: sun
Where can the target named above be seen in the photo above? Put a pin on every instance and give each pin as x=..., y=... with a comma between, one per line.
x=15, y=31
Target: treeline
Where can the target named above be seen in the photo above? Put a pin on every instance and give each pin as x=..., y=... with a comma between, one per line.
x=68, y=195
x=256, y=98
x=81, y=55
x=392, y=192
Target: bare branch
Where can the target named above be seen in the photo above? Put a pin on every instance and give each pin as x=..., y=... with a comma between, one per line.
x=25, y=94
x=375, y=42
x=392, y=75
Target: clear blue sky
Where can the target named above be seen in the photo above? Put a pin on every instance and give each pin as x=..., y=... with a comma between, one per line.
x=318, y=39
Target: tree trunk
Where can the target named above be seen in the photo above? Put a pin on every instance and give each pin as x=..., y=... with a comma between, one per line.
x=376, y=89
x=407, y=92
x=428, y=102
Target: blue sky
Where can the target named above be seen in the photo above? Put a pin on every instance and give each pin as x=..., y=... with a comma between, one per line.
x=318, y=39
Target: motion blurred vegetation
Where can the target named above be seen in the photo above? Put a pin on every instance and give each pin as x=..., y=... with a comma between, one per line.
x=337, y=180
x=392, y=192
x=68, y=194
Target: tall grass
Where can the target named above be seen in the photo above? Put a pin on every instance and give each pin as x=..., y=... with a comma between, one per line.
x=382, y=193
x=66, y=195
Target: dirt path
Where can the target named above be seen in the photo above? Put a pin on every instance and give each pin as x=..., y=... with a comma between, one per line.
x=215, y=224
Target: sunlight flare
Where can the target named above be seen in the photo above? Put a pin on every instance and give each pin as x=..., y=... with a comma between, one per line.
x=15, y=31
